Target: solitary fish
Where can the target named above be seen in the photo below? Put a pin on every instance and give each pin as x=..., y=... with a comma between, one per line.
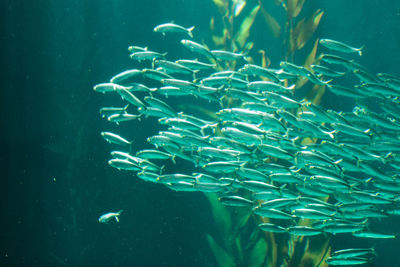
x=339, y=46
x=171, y=27
x=106, y=218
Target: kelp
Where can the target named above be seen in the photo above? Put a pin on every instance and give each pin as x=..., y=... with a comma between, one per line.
x=243, y=34
x=239, y=241
x=271, y=22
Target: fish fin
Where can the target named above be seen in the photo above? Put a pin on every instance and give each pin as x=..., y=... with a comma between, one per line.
x=338, y=161
x=190, y=31
x=389, y=155
x=162, y=169
x=359, y=50
x=173, y=159
x=331, y=134
x=292, y=87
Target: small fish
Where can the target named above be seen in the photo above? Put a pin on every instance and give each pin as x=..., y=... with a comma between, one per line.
x=179, y=83
x=127, y=156
x=108, y=111
x=252, y=174
x=134, y=48
x=340, y=47
x=348, y=261
x=375, y=235
x=173, y=67
x=120, y=117
x=235, y=201
x=131, y=98
x=171, y=27
x=303, y=230
x=311, y=214
x=106, y=218
x=269, y=86
x=153, y=112
x=115, y=139
x=154, y=154
x=327, y=71
x=352, y=252
x=176, y=177
x=273, y=213
x=156, y=74
x=226, y=55
x=222, y=166
x=251, y=69
x=124, y=164
x=197, y=48
x=123, y=76
x=195, y=64
x=108, y=87
x=146, y=55
x=270, y=227
x=157, y=103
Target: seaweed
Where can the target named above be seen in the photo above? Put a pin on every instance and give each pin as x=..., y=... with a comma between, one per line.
x=240, y=242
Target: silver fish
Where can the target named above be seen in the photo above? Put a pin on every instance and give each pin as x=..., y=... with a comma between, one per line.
x=339, y=46
x=171, y=27
x=106, y=218
x=115, y=139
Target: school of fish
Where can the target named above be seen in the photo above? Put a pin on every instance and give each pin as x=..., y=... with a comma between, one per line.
x=249, y=145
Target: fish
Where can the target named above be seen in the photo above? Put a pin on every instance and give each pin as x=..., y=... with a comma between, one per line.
x=251, y=69
x=273, y=213
x=352, y=252
x=115, y=139
x=124, y=164
x=303, y=230
x=198, y=48
x=247, y=134
x=173, y=67
x=131, y=98
x=120, y=117
x=125, y=75
x=347, y=261
x=105, y=112
x=195, y=64
x=340, y=47
x=106, y=218
x=227, y=55
x=171, y=27
x=156, y=75
x=235, y=201
x=108, y=87
x=134, y=48
x=327, y=71
x=146, y=55
x=269, y=86
x=270, y=227
x=375, y=235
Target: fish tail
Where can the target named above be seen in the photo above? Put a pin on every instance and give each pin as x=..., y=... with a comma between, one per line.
x=360, y=50
x=190, y=31
x=331, y=134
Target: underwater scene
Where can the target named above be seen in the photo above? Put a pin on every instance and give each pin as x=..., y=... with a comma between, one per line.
x=202, y=133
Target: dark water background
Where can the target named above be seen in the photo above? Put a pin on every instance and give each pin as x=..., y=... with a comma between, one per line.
x=54, y=178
